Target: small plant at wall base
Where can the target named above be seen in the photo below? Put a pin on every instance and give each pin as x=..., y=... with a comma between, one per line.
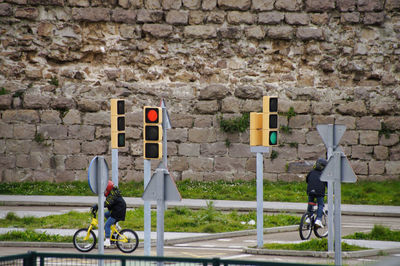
x=53, y=81
x=285, y=130
x=385, y=131
x=233, y=125
x=274, y=155
x=3, y=91
x=289, y=114
x=39, y=138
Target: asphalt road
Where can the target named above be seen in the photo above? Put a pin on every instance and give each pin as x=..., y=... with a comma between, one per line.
x=232, y=248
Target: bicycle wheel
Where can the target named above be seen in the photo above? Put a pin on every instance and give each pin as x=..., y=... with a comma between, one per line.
x=127, y=240
x=322, y=232
x=305, y=228
x=82, y=244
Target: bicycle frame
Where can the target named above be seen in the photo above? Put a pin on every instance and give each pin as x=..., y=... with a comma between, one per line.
x=114, y=230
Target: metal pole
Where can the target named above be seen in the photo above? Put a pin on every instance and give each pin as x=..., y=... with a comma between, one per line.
x=114, y=166
x=338, y=222
x=100, y=213
x=330, y=208
x=164, y=144
x=160, y=215
x=260, y=199
x=147, y=210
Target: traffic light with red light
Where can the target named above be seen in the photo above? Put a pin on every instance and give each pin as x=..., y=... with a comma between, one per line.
x=152, y=134
x=270, y=121
x=117, y=123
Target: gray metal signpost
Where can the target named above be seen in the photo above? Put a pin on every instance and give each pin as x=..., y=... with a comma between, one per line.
x=161, y=188
x=259, y=150
x=98, y=179
x=338, y=170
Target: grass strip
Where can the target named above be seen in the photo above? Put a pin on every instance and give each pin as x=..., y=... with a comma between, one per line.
x=363, y=192
x=379, y=232
x=311, y=245
x=33, y=236
x=178, y=219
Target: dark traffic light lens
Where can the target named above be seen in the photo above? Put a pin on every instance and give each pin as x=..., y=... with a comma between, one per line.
x=151, y=150
x=121, y=139
x=273, y=104
x=121, y=123
x=152, y=133
x=273, y=121
x=121, y=107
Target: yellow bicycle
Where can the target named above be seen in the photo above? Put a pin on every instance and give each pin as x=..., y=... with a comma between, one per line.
x=85, y=239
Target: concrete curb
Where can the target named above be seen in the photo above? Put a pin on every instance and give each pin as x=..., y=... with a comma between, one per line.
x=321, y=254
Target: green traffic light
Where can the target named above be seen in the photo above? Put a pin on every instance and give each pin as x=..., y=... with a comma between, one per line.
x=273, y=137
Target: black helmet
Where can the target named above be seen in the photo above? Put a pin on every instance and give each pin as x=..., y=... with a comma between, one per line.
x=320, y=164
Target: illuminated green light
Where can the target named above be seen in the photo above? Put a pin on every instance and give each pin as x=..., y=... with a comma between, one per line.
x=273, y=137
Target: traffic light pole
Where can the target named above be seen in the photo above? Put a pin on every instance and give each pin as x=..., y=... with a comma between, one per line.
x=114, y=166
x=147, y=209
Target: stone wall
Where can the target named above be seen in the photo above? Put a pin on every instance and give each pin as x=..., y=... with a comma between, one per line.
x=61, y=61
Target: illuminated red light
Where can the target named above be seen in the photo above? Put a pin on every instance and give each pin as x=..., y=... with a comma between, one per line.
x=152, y=115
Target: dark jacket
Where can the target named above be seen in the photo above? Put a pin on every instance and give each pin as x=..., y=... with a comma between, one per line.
x=315, y=187
x=116, y=205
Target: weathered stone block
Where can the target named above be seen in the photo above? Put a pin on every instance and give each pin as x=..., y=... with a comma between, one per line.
x=376, y=167
x=300, y=121
x=346, y=5
x=96, y=147
x=348, y=121
x=370, y=5
x=239, y=150
x=287, y=152
x=149, y=16
x=175, y=17
x=369, y=137
x=203, y=121
x=207, y=107
x=209, y=4
x=212, y=149
x=310, y=33
x=361, y=152
x=7, y=161
x=171, y=4
x=230, y=33
x=6, y=10
x=234, y=4
x=196, y=176
x=202, y=135
x=289, y=5
x=230, y=105
x=53, y=131
x=392, y=4
x=381, y=153
x=214, y=91
x=248, y=92
x=356, y=108
x=373, y=18
x=152, y=4
x=200, y=31
x=158, y=30
x=255, y=32
x=313, y=152
x=393, y=167
x=263, y=5
x=77, y=162
x=320, y=5
x=123, y=16
x=229, y=164
x=280, y=32
x=192, y=4
x=46, y=2
x=201, y=164
x=270, y=18
x=6, y=101
x=369, y=122
x=82, y=132
x=353, y=17
x=35, y=101
x=24, y=131
x=350, y=137
x=99, y=118
x=275, y=166
x=359, y=167
x=236, y=17
x=392, y=140
x=79, y=3
x=189, y=149
x=91, y=14
x=67, y=147
x=297, y=19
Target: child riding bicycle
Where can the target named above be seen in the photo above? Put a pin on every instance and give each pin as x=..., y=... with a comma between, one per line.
x=316, y=189
x=116, y=206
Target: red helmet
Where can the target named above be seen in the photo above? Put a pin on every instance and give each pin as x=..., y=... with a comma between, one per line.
x=109, y=187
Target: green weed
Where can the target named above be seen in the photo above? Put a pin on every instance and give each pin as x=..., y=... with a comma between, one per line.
x=313, y=244
x=379, y=232
x=235, y=125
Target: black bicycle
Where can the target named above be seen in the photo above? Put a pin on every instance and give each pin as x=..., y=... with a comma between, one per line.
x=307, y=224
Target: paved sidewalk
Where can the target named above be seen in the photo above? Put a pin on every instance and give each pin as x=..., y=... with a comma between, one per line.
x=87, y=201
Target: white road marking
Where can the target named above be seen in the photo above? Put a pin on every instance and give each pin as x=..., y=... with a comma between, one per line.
x=237, y=256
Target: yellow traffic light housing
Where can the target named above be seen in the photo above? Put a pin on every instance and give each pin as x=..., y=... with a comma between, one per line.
x=152, y=133
x=117, y=123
